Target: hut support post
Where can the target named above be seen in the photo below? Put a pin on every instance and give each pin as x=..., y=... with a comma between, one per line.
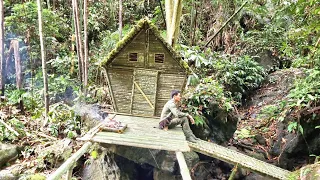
x=183, y=166
x=69, y=163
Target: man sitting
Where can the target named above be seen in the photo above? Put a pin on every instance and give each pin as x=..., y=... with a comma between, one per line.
x=171, y=116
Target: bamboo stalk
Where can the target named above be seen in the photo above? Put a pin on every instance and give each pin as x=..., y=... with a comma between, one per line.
x=9, y=127
x=147, y=99
x=233, y=173
x=132, y=92
x=46, y=136
x=183, y=166
x=155, y=93
x=68, y=164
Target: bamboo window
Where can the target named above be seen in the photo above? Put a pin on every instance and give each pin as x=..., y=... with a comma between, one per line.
x=133, y=56
x=159, y=58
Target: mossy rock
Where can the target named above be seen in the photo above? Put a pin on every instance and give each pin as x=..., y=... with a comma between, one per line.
x=307, y=172
x=36, y=177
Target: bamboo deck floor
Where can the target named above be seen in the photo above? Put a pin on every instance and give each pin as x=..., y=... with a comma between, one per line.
x=143, y=132
x=244, y=161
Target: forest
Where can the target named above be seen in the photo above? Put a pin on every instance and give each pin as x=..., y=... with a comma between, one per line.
x=252, y=86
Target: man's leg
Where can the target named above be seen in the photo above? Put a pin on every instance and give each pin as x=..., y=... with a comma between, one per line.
x=185, y=127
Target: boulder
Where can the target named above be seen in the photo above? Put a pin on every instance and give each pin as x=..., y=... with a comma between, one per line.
x=102, y=168
x=222, y=124
x=8, y=153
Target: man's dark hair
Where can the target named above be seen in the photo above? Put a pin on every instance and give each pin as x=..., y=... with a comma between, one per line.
x=174, y=93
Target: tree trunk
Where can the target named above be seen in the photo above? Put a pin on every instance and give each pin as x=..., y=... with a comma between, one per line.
x=44, y=66
x=120, y=19
x=169, y=12
x=86, y=60
x=2, y=61
x=15, y=45
x=173, y=14
x=78, y=39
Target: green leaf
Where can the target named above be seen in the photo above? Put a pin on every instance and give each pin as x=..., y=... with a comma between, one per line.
x=94, y=154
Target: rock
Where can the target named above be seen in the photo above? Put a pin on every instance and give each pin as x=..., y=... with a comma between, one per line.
x=222, y=124
x=267, y=60
x=8, y=153
x=54, y=155
x=261, y=140
x=255, y=176
x=128, y=169
x=102, y=168
x=256, y=155
x=191, y=158
x=165, y=175
x=7, y=175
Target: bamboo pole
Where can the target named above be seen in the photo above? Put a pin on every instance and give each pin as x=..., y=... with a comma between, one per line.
x=69, y=163
x=233, y=173
x=9, y=127
x=132, y=92
x=155, y=94
x=183, y=166
x=215, y=34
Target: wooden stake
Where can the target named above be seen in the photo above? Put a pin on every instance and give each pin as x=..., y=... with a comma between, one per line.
x=233, y=173
x=183, y=166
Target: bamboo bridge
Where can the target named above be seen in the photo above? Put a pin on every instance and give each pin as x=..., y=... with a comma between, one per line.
x=143, y=132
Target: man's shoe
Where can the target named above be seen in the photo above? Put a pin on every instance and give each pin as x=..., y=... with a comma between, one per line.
x=165, y=128
x=191, y=139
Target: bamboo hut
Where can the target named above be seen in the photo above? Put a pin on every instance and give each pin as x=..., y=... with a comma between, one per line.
x=142, y=70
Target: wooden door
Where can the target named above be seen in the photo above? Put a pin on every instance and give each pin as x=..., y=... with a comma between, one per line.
x=144, y=88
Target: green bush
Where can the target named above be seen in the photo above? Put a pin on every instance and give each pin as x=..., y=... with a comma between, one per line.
x=239, y=75
x=199, y=99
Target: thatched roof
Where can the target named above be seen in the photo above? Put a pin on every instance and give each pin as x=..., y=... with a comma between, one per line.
x=134, y=31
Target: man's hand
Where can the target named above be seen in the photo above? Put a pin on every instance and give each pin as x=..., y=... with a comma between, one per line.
x=191, y=119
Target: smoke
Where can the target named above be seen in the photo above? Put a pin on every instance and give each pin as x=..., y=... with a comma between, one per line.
x=92, y=111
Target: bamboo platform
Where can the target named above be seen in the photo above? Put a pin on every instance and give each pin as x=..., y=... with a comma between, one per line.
x=244, y=161
x=142, y=132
